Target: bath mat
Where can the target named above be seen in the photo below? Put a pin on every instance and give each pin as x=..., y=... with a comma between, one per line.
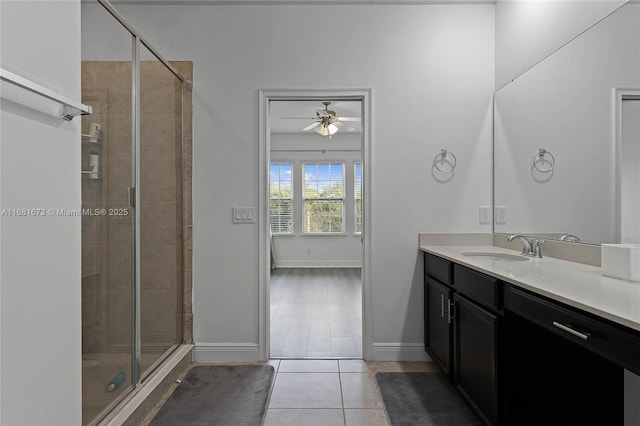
x=222, y=395
x=423, y=399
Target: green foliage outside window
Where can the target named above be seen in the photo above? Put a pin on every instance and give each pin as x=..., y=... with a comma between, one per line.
x=323, y=192
x=323, y=208
x=281, y=198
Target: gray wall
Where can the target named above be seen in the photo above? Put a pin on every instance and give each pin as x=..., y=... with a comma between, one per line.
x=40, y=365
x=527, y=31
x=431, y=69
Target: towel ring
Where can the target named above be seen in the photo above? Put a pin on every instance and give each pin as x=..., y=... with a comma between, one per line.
x=539, y=158
x=445, y=157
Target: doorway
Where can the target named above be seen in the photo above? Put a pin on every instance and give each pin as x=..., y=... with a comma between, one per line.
x=313, y=224
x=628, y=134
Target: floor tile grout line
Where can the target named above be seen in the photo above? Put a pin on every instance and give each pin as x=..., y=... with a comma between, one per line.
x=340, y=371
x=273, y=385
x=344, y=414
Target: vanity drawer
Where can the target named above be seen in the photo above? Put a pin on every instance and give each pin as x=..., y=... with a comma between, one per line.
x=477, y=286
x=438, y=268
x=607, y=340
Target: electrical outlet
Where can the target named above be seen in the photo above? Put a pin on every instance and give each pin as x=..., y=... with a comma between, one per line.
x=308, y=250
x=501, y=215
x=484, y=215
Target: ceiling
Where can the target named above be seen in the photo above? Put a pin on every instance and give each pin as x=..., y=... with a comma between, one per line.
x=306, y=111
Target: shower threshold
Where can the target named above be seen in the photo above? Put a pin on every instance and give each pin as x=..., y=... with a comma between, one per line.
x=134, y=408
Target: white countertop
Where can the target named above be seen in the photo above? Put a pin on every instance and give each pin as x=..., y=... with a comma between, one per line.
x=575, y=284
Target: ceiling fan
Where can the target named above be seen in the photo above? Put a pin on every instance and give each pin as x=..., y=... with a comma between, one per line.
x=327, y=122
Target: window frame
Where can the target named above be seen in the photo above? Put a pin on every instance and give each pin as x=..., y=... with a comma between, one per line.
x=291, y=198
x=356, y=199
x=304, y=199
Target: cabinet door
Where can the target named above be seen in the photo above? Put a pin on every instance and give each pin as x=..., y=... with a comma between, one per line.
x=437, y=324
x=476, y=356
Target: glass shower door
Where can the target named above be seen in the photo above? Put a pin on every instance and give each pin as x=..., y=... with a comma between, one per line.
x=161, y=254
x=107, y=219
x=132, y=257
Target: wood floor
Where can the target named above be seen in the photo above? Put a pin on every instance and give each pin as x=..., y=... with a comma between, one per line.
x=316, y=313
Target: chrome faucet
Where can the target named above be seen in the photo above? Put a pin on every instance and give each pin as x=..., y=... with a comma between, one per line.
x=530, y=248
x=569, y=238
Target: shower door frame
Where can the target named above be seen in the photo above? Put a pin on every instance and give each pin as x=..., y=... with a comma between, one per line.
x=138, y=43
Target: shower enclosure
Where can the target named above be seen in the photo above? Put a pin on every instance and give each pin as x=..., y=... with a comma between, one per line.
x=136, y=209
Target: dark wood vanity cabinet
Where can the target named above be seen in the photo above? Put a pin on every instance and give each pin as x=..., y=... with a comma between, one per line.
x=476, y=343
x=562, y=366
x=608, y=340
x=520, y=358
x=462, y=325
x=438, y=331
x=476, y=357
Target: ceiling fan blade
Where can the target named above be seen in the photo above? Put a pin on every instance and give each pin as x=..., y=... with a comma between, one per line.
x=311, y=126
x=348, y=118
x=344, y=126
x=297, y=118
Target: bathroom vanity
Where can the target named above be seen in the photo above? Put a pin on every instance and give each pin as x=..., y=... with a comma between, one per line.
x=531, y=341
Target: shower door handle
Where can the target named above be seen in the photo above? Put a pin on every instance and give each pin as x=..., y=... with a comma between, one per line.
x=132, y=196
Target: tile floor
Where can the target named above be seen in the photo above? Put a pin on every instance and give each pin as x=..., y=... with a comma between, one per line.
x=330, y=392
x=324, y=392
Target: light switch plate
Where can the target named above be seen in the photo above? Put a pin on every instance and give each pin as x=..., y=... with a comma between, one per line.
x=484, y=215
x=501, y=215
x=244, y=215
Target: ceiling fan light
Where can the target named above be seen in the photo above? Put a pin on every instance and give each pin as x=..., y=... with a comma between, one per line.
x=326, y=129
x=322, y=129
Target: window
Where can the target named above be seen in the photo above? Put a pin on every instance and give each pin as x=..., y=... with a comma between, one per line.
x=357, y=197
x=281, y=197
x=323, y=198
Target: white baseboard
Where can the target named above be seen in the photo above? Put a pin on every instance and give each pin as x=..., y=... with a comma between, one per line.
x=226, y=352
x=318, y=263
x=399, y=352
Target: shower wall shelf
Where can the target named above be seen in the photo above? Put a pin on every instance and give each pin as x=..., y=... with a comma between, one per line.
x=67, y=108
x=90, y=138
x=90, y=175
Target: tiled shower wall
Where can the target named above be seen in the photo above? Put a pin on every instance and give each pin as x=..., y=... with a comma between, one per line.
x=166, y=222
x=186, y=69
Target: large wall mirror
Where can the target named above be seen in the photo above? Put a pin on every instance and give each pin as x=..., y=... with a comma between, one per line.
x=567, y=139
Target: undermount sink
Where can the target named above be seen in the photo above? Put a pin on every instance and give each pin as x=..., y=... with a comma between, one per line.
x=496, y=256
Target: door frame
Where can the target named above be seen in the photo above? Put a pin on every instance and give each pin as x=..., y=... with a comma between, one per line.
x=620, y=94
x=264, y=138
